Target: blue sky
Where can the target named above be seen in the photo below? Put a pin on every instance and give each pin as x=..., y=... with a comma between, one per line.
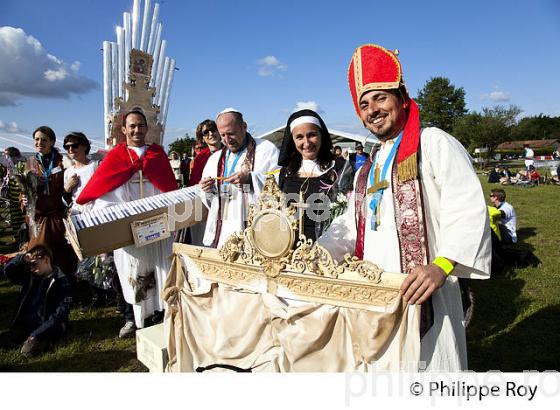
x=265, y=57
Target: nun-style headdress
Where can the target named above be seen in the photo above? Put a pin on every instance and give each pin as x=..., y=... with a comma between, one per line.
x=288, y=150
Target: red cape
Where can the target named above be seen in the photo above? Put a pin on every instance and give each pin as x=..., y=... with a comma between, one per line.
x=197, y=166
x=117, y=168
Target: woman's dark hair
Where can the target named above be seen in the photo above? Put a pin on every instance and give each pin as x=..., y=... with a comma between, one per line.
x=41, y=251
x=48, y=131
x=13, y=152
x=80, y=138
x=206, y=123
x=290, y=156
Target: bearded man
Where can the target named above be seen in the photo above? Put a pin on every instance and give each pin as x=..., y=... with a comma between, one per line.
x=417, y=208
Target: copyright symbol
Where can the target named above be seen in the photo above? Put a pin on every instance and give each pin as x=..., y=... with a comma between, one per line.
x=416, y=389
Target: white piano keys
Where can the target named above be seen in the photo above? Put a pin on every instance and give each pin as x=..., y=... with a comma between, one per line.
x=130, y=209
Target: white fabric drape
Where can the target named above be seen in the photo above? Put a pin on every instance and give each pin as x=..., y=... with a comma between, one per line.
x=212, y=323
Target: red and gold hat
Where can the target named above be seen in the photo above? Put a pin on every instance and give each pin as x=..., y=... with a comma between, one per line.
x=373, y=67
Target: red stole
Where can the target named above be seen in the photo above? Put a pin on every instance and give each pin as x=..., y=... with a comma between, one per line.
x=248, y=164
x=121, y=163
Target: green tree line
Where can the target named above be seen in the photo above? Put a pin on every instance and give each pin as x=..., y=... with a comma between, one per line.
x=443, y=105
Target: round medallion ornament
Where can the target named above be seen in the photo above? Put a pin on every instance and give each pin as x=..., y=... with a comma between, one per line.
x=271, y=233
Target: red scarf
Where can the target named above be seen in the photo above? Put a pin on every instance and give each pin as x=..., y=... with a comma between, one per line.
x=407, y=162
x=197, y=166
x=121, y=163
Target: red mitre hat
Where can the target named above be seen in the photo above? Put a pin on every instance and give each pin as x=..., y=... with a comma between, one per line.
x=375, y=68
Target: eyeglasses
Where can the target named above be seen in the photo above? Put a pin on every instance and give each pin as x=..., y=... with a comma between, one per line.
x=73, y=146
x=207, y=131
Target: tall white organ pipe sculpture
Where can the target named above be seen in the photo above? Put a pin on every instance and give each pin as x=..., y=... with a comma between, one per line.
x=137, y=74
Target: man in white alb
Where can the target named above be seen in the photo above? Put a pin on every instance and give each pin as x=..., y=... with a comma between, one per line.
x=233, y=177
x=417, y=208
x=130, y=171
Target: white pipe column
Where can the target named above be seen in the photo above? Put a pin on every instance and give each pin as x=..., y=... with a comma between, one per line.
x=127, y=44
x=121, y=52
x=107, y=86
x=157, y=49
x=171, y=73
x=145, y=19
x=162, y=81
x=115, y=74
x=161, y=66
x=153, y=29
x=135, y=23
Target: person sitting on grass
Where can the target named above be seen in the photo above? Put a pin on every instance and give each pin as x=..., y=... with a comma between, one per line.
x=43, y=305
x=508, y=225
x=556, y=177
x=494, y=175
x=534, y=175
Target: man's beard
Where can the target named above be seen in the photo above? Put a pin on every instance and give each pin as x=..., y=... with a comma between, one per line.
x=384, y=135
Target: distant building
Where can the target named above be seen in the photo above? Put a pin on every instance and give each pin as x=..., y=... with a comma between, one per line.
x=549, y=145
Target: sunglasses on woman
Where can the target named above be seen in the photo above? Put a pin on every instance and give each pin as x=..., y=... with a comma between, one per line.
x=68, y=146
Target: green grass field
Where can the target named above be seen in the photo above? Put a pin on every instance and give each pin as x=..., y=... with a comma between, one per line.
x=515, y=327
x=516, y=323
x=92, y=344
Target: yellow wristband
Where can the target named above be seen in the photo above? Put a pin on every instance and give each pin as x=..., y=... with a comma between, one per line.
x=444, y=264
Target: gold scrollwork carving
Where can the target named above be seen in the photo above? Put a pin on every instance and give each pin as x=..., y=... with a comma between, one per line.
x=307, y=257
x=365, y=269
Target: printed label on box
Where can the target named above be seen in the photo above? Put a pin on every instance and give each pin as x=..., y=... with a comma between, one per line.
x=150, y=230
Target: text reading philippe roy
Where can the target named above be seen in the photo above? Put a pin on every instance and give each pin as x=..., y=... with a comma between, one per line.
x=479, y=392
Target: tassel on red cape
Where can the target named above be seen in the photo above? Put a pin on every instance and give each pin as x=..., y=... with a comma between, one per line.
x=407, y=161
x=117, y=168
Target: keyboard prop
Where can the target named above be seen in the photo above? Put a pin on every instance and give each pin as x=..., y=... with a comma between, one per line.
x=137, y=222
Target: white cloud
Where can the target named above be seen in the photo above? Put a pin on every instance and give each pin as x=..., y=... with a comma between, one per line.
x=270, y=66
x=56, y=75
x=28, y=70
x=310, y=105
x=496, y=96
x=10, y=127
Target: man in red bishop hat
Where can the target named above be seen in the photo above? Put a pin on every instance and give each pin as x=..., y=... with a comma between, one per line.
x=417, y=208
x=133, y=170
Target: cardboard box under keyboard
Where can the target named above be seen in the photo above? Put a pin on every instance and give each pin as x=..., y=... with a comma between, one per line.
x=112, y=235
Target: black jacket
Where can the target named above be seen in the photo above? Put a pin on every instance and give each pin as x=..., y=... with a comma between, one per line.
x=49, y=303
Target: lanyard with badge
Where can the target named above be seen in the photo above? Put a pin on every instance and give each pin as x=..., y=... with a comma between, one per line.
x=378, y=183
x=226, y=189
x=46, y=171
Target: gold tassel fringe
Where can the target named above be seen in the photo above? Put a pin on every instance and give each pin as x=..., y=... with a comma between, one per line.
x=408, y=169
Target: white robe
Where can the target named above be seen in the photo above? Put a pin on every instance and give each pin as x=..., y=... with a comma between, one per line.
x=457, y=228
x=84, y=174
x=131, y=261
x=235, y=210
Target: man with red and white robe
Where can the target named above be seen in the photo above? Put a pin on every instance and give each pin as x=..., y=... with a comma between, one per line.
x=130, y=171
x=417, y=208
